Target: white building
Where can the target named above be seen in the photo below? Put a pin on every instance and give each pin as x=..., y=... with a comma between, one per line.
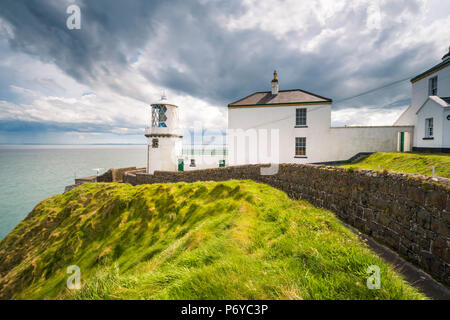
x=164, y=137
x=429, y=112
x=294, y=126
x=165, y=150
x=301, y=123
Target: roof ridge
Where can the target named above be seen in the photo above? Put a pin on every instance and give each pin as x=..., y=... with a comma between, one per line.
x=287, y=90
x=323, y=99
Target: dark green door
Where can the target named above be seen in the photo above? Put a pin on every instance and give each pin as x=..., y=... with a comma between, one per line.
x=180, y=165
x=221, y=163
x=402, y=142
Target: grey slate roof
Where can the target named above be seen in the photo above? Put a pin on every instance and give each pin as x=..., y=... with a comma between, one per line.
x=283, y=97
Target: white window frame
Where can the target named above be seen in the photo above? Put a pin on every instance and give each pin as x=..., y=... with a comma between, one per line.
x=300, y=146
x=433, y=86
x=429, y=128
x=301, y=119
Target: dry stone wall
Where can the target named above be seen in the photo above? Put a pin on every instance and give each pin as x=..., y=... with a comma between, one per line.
x=114, y=175
x=409, y=213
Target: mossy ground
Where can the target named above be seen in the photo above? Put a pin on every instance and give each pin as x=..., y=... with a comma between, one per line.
x=415, y=163
x=209, y=240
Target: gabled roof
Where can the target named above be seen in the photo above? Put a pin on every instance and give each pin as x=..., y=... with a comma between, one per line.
x=443, y=102
x=430, y=71
x=284, y=97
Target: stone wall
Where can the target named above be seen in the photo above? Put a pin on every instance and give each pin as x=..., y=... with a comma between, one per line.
x=409, y=213
x=114, y=175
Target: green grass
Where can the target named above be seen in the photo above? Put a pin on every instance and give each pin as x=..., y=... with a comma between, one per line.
x=229, y=240
x=415, y=163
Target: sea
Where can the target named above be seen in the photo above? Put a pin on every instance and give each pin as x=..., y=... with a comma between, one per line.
x=31, y=173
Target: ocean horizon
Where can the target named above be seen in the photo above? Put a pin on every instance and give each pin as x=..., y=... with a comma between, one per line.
x=34, y=172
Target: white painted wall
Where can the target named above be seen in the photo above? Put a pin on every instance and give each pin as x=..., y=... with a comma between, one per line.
x=348, y=141
x=323, y=143
x=420, y=88
x=431, y=109
x=256, y=121
x=165, y=157
x=420, y=95
x=203, y=161
x=408, y=117
x=446, y=125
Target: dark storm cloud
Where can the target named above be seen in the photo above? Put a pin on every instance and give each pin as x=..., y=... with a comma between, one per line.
x=107, y=28
x=218, y=65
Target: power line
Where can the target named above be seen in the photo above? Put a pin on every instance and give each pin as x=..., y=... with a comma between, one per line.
x=372, y=90
x=348, y=98
x=378, y=88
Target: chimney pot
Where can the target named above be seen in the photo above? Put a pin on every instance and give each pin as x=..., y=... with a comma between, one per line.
x=275, y=85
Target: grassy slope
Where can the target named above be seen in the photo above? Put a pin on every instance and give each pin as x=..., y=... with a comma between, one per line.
x=231, y=240
x=416, y=163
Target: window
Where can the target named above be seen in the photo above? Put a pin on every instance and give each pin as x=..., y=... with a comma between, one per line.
x=300, y=147
x=432, y=84
x=429, y=128
x=155, y=143
x=192, y=163
x=159, y=117
x=300, y=117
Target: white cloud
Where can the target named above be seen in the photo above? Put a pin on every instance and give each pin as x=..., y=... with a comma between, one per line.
x=123, y=115
x=119, y=102
x=348, y=34
x=365, y=116
x=312, y=26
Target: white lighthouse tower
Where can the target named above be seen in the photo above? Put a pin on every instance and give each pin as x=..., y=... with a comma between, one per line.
x=164, y=137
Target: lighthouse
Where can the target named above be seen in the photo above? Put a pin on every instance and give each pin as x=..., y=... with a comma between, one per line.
x=164, y=136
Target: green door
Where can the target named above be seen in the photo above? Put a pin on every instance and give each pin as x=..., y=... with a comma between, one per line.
x=221, y=163
x=180, y=165
x=402, y=142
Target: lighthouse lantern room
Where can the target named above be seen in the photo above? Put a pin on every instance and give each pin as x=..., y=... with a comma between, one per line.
x=164, y=136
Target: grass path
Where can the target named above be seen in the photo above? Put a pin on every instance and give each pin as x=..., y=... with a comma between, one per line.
x=415, y=163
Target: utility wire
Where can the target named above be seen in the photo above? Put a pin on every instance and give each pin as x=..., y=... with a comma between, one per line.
x=379, y=88
x=348, y=98
x=373, y=90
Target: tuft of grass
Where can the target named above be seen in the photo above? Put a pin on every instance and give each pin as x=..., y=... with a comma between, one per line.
x=415, y=163
x=209, y=240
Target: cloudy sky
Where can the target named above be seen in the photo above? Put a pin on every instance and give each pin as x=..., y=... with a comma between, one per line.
x=94, y=85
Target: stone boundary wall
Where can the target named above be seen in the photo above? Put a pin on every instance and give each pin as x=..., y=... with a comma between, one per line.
x=114, y=175
x=409, y=213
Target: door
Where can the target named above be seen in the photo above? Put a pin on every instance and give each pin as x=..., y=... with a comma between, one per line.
x=402, y=142
x=180, y=165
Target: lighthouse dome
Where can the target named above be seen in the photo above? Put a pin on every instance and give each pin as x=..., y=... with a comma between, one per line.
x=164, y=118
